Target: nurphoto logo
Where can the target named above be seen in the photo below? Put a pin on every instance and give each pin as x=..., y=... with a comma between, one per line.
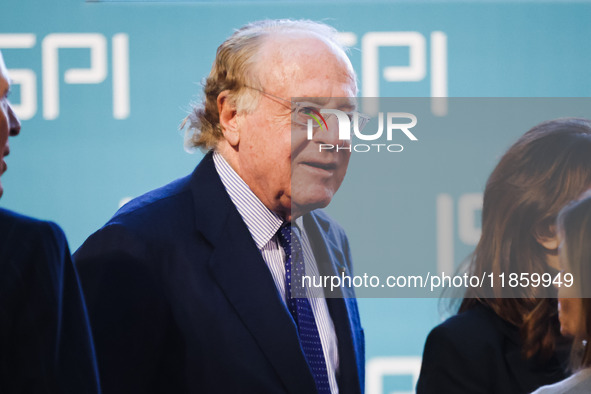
x=355, y=122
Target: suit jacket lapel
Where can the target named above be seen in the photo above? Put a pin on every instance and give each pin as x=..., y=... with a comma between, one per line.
x=341, y=304
x=238, y=267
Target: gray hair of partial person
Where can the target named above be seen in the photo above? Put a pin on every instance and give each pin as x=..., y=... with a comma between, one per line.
x=234, y=69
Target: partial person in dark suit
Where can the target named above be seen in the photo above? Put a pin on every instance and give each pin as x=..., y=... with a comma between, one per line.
x=188, y=286
x=45, y=341
x=497, y=344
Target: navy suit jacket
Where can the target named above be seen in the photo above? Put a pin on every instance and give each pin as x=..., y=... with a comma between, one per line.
x=181, y=300
x=45, y=342
x=477, y=352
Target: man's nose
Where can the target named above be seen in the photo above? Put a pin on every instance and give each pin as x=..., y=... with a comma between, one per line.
x=14, y=123
x=329, y=135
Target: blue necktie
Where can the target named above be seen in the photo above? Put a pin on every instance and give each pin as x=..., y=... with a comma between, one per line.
x=300, y=308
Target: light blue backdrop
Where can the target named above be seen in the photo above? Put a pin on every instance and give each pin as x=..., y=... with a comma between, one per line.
x=74, y=164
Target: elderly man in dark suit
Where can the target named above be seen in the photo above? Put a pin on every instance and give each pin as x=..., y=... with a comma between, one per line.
x=189, y=286
x=45, y=342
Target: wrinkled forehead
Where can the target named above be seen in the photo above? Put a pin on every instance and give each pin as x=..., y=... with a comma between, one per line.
x=286, y=56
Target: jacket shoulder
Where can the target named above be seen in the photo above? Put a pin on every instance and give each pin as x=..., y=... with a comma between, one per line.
x=475, y=327
x=461, y=354
x=16, y=228
x=144, y=224
x=155, y=200
x=32, y=254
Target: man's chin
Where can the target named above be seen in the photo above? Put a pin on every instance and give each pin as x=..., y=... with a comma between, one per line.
x=300, y=207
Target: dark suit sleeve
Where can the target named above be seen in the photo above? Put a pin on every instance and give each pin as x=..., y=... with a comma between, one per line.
x=450, y=365
x=45, y=343
x=127, y=309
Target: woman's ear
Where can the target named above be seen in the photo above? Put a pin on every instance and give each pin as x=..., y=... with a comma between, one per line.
x=228, y=118
x=548, y=239
x=549, y=243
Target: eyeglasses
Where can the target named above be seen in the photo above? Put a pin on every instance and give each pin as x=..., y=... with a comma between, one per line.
x=303, y=114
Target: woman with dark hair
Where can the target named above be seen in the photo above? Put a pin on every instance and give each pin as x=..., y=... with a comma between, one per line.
x=497, y=344
x=574, y=310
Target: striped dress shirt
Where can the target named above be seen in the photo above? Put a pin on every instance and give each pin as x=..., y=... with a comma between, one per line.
x=263, y=225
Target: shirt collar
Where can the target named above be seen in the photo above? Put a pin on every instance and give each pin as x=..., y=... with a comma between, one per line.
x=262, y=223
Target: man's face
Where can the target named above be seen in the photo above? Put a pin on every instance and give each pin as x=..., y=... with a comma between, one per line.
x=9, y=123
x=284, y=169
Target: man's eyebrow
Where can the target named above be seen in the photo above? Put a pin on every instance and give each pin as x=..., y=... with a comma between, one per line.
x=322, y=101
x=347, y=103
x=313, y=100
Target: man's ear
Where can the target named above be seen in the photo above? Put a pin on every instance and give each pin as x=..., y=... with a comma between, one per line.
x=228, y=118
